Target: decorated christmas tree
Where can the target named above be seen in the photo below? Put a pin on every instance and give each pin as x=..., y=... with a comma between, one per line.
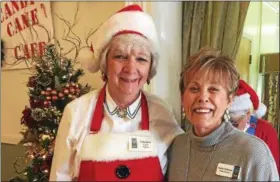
x=53, y=83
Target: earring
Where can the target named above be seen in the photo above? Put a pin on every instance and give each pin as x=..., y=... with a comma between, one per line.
x=226, y=115
x=104, y=77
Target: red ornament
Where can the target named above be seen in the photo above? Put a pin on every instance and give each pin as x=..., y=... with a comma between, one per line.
x=54, y=98
x=48, y=98
x=47, y=103
x=35, y=103
x=47, y=93
x=60, y=95
x=31, y=81
x=72, y=90
x=43, y=92
x=78, y=90
x=26, y=115
x=54, y=92
x=66, y=91
x=49, y=89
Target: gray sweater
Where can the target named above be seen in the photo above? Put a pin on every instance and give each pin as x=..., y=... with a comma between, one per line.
x=195, y=158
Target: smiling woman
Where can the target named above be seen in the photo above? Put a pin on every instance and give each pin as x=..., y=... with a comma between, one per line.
x=212, y=149
x=116, y=132
x=128, y=67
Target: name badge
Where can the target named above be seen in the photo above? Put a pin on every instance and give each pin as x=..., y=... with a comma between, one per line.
x=140, y=144
x=229, y=171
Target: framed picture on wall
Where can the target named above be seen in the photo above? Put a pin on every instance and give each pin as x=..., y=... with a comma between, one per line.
x=26, y=27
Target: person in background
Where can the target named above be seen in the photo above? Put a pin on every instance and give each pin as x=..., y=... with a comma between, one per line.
x=119, y=132
x=246, y=114
x=212, y=149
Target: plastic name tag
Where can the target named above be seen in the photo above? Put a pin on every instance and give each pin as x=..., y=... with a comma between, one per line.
x=229, y=171
x=140, y=144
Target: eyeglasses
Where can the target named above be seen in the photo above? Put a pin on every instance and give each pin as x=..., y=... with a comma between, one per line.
x=236, y=120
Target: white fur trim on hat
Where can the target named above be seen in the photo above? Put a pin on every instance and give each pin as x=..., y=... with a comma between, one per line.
x=260, y=112
x=129, y=20
x=111, y=146
x=241, y=103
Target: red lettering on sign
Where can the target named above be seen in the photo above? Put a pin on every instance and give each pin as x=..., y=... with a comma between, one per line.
x=28, y=51
x=19, y=24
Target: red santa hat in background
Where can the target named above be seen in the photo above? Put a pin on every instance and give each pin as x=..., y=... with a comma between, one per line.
x=131, y=19
x=245, y=99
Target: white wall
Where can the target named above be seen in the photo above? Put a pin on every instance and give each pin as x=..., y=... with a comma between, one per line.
x=270, y=28
x=252, y=28
x=168, y=20
x=262, y=25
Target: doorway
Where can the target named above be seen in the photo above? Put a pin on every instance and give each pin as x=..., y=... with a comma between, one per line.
x=243, y=58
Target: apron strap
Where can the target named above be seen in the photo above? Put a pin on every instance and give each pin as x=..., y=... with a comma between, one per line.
x=144, y=113
x=98, y=113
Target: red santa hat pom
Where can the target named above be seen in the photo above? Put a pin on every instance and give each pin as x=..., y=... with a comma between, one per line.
x=131, y=19
x=260, y=112
x=245, y=99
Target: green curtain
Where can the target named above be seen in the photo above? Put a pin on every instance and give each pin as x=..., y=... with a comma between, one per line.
x=215, y=24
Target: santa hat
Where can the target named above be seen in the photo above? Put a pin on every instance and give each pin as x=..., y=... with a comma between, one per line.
x=131, y=19
x=245, y=99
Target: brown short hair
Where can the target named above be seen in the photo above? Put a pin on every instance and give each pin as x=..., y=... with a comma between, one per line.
x=209, y=60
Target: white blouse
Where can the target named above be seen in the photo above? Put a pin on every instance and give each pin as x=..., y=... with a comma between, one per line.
x=75, y=126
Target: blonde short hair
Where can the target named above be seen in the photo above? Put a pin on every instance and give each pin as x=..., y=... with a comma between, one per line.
x=128, y=37
x=209, y=60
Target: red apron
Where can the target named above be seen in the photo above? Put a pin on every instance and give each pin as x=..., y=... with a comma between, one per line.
x=104, y=160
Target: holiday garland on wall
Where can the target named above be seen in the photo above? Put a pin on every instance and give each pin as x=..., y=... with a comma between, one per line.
x=52, y=84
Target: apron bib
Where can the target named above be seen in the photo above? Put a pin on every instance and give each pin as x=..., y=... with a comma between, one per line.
x=124, y=156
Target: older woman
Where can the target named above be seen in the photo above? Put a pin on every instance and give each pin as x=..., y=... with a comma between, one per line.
x=241, y=117
x=212, y=149
x=119, y=132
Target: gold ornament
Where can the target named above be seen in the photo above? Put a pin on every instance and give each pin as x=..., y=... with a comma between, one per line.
x=54, y=92
x=45, y=137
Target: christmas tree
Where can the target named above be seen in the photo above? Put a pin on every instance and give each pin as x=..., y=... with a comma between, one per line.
x=53, y=84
